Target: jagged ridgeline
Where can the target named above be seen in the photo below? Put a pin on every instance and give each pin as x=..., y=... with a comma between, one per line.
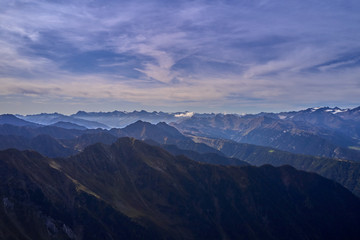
x=133, y=190
x=53, y=141
x=190, y=182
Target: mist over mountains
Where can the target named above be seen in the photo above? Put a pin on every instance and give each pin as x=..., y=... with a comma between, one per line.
x=157, y=175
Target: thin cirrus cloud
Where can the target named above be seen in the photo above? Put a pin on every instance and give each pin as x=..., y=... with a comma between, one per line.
x=220, y=56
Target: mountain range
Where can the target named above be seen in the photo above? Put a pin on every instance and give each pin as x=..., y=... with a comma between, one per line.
x=106, y=120
x=132, y=190
x=321, y=131
x=191, y=176
x=59, y=142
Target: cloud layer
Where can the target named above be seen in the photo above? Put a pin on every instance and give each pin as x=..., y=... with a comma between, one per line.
x=232, y=56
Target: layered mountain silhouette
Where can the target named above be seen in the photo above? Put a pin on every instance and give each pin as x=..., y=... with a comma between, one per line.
x=93, y=182
x=58, y=142
x=45, y=144
x=164, y=134
x=68, y=125
x=13, y=120
x=133, y=190
x=320, y=132
x=54, y=141
x=53, y=118
x=344, y=172
x=120, y=119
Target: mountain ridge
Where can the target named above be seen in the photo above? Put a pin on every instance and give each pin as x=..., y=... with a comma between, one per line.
x=177, y=198
x=67, y=142
x=313, y=135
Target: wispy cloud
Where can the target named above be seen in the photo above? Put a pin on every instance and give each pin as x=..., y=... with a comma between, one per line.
x=223, y=54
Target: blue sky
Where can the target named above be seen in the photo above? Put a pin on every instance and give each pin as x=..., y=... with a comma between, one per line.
x=205, y=56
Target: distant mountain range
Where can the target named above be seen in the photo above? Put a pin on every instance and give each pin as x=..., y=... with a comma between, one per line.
x=13, y=120
x=118, y=119
x=106, y=120
x=132, y=190
x=54, y=118
x=330, y=133
x=188, y=177
x=60, y=142
x=326, y=132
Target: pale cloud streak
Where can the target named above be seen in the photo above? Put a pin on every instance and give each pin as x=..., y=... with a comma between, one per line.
x=224, y=54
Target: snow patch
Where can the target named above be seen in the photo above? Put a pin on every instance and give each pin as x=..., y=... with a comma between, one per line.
x=338, y=111
x=314, y=109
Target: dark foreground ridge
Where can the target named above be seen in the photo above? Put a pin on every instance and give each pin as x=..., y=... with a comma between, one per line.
x=132, y=190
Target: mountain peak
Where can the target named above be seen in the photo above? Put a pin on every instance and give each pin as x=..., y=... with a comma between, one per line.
x=148, y=184
x=13, y=120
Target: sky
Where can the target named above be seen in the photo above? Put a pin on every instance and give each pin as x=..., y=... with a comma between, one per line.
x=243, y=56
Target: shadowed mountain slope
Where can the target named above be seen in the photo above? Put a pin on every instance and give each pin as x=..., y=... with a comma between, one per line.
x=219, y=151
x=30, y=132
x=267, y=130
x=44, y=144
x=130, y=189
x=344, y=172
x=41, y=202
x=162, y=133
x=211, y=158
